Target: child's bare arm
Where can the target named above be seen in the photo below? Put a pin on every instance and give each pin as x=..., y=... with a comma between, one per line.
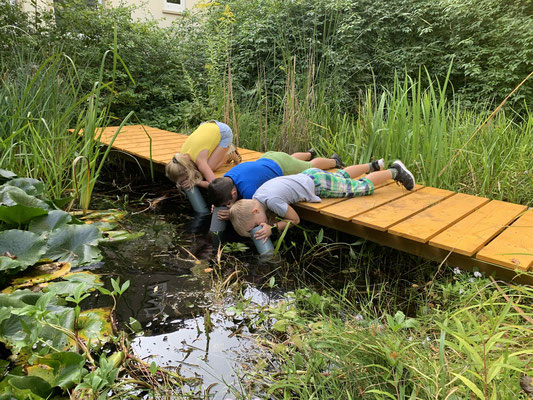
x=203, y=166
x=266, y=230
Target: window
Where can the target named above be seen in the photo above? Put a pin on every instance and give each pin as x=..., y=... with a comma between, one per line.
x=174, y=5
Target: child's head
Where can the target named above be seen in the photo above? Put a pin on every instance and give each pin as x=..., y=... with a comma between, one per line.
x=182, y=169
x=246, y=215
x=222, y=192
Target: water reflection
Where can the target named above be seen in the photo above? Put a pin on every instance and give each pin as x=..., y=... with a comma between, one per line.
x=171, y=295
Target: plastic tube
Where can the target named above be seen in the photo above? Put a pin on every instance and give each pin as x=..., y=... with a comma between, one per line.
x=217, y=225
x=196, y=200
x=262, y=248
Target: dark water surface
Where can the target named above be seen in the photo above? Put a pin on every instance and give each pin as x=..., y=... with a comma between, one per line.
x=172, y=292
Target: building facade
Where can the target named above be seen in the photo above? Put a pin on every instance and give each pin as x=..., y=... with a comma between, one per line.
x=164, y=11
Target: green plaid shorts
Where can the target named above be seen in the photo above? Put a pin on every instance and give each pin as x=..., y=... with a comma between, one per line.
x=338, y=184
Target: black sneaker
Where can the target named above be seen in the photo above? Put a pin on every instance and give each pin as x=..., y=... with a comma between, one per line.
x=338, y=161
x=404, y=176
x=312, y=151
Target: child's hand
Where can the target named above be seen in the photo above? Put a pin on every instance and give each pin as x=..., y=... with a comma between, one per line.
x=223, y=215
x=264, y=233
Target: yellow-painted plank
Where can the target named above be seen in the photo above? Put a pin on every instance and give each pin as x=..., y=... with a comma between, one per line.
x=513, y=248
x=384, y=217
x=433, y=220
x=358, y=205
x=470, y=234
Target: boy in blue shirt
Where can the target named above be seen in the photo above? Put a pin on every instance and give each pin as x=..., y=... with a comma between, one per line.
x=244, y=179
x=272, y=201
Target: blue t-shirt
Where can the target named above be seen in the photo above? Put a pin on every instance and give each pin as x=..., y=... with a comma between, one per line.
x=248, y=176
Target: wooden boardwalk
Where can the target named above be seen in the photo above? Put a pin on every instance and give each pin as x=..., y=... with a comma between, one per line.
x=462, y=230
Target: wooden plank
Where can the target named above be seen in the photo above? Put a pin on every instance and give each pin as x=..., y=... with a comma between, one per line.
x=513, y=248
x=358, y=205
x=433, y=220
x=470, y=234
x=382, y=218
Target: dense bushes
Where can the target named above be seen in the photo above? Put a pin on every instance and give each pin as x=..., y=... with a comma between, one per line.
x=181, y=72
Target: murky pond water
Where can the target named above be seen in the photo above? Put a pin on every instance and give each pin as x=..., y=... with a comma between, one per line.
x=173, y=294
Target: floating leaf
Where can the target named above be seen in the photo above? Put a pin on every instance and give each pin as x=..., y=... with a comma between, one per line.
x=72, y=280
x=20, y=249
x=4, y=173
x=54, y=220
x=31, y=186
x=25, y=387
x=104, y=216
x=20, y=214
x=77, y=244
x=39, y=274
x=12, y=195
x=63, y=369
x=120, y=236
x=94, y=324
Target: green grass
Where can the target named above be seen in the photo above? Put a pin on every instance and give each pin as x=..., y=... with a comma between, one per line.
x=469, y=337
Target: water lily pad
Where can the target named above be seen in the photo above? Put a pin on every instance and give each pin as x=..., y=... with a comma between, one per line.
x=39, y=274
x=20, y=214
x=77, y=244
x=63, y=369
x=54, y=220
x=31, y=186
x=94, y=325
x=72, y=280
x=25, y=387
x=21, y=247
x=104, y=216
x=120, y=236
x=12, y=195
x=4, y=173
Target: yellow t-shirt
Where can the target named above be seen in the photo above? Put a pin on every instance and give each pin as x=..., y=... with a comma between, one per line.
x=206, y=136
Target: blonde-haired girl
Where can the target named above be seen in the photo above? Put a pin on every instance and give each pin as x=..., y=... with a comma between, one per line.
x=204, y=151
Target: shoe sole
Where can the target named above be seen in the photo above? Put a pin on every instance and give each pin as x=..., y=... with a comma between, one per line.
x=401, y=164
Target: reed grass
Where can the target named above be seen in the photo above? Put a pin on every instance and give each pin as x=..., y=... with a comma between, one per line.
x=43, y=112
x=415, y=121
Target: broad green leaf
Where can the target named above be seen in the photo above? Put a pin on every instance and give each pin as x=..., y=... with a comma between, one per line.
x=63, y=369
x=12, y=195
x=7, y=263
x=26, y=247
x=281, y=325
x=4, y=173
x=20, y=214
x=77, y=244
x=72, y=280
x=54, y=220
x=31, y=186
x=94, y=324
x=26, y=386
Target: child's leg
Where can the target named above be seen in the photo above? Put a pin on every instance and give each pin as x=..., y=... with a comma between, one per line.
x=379, y=177
x=356, y=171
x=303, y=155
x=323, y=163
x=218, y=157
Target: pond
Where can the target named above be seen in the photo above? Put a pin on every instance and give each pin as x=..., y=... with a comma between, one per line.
x=175, y=296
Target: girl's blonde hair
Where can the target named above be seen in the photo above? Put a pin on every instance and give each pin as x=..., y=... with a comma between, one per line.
x=180, y=167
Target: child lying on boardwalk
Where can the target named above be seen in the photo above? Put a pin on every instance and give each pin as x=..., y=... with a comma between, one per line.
x=204, y=151
x=244, y=179
x=277, y=195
